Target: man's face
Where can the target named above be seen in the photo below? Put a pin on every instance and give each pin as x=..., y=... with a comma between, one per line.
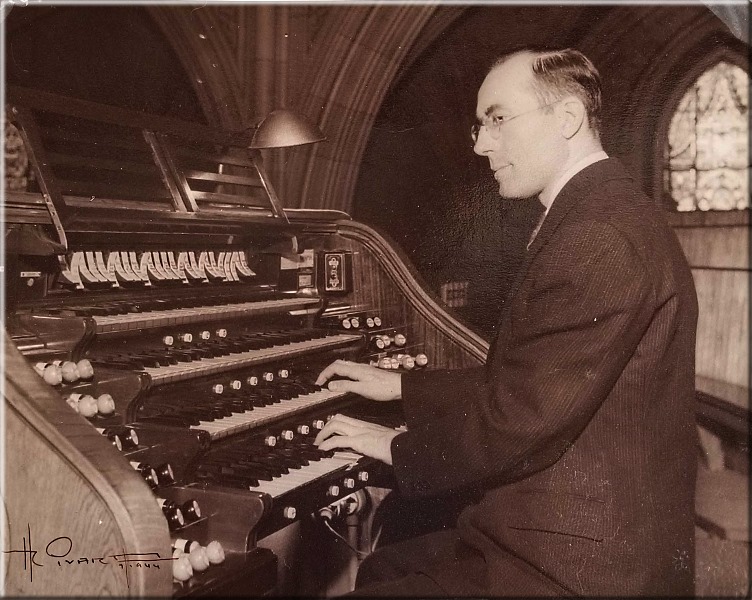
x=529, y=151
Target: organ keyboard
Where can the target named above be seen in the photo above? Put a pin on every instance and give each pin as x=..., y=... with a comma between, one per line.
x=203, y=366
x=164, y=331
x=115, y=323
x=260, y=415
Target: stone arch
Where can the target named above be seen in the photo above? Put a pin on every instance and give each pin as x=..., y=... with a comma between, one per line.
x=661, y=86
x=362, y=51
x=199, y=40
x=363, y=54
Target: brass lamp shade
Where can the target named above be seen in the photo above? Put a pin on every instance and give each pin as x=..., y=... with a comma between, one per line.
x=281, y=128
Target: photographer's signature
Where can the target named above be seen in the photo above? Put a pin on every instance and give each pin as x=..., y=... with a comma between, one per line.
x=59, y=552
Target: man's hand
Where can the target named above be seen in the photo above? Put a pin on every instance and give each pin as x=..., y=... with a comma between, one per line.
x=369, y=382
x=365, y=438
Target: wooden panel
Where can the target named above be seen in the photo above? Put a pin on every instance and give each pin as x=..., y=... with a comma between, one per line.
x=716, y=247
x=25, y=207
x=387, y=285
x=711, y=218
x=35, y=473
x=64, y=480
x=723, y=325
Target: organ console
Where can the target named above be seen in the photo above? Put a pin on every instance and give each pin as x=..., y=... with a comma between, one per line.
x=165, y=321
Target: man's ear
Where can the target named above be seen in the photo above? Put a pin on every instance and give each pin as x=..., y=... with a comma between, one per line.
x=572, y=115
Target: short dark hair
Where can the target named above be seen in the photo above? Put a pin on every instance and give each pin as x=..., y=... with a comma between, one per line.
x=557, y=73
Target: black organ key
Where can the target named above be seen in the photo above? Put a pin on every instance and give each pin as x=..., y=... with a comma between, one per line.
x=235, y=481
x=164, y=358
x=119, y=360
x=292, y=452
x=172, y=420
x=259, y=472
x=274, y=469
x=181, y=355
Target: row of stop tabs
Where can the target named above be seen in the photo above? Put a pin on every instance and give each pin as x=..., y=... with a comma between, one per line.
x=85, y=269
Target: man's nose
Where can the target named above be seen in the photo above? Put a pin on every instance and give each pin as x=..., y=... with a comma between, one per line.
x=482, y=142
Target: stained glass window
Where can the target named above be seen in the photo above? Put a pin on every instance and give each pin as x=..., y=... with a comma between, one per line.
x=707, y=152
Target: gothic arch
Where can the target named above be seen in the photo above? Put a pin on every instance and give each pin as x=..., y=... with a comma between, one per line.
x=362, y=56
x=660, y=87
x=199, y=40
x=362, y=51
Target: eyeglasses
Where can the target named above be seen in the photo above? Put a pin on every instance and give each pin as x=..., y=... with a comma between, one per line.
x=494, y=122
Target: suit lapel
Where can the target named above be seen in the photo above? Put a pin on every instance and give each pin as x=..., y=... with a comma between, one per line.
x=575, y=190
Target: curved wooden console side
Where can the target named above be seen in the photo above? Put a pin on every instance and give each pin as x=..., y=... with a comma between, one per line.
x=457, y=344
x=73, y=502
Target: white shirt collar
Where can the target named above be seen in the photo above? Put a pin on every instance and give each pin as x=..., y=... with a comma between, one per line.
x=548, y=196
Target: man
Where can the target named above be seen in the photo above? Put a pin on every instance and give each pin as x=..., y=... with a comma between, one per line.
x=580, y=427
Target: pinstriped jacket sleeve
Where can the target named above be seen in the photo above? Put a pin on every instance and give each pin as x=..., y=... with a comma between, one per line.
x=442, y=388
x=573, y=327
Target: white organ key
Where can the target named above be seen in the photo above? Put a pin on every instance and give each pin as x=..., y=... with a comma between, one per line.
x=203, y=262
x=222, y=267
x=114, y=266
x=156, y=262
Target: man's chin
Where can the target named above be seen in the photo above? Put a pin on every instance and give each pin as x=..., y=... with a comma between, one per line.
x=510, y=194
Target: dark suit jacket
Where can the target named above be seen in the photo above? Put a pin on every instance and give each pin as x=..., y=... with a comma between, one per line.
x=580, y=427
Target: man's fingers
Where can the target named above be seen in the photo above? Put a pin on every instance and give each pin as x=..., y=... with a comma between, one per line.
x=351, y=420
x=340, y=368
x=342, y=441
x=367, y=389
x=365, y=425
x=375, y=445
x=334, y=426
x=364, y=380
